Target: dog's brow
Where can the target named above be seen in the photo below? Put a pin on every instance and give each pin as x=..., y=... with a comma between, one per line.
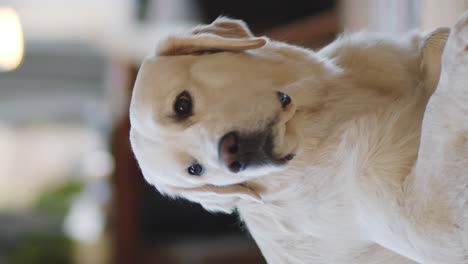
x=176, y=118
x=184, y=160
x=184, y=123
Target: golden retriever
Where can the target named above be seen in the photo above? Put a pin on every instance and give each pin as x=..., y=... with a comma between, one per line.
x=356, y=153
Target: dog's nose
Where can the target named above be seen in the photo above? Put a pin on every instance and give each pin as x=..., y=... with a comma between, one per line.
x=229, y=152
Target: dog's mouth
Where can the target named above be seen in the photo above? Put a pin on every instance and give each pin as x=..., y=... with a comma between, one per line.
x=281, y=145
x=269, y=150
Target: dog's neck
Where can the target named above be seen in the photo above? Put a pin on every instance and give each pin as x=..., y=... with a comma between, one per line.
x=328, y=104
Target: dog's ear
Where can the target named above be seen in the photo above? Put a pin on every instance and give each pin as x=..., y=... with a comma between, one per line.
x=219, y=198
x=433, y=46
x=226, y=27
x=222, y=35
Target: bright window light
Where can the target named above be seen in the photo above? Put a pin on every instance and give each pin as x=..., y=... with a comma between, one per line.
x=11, y=40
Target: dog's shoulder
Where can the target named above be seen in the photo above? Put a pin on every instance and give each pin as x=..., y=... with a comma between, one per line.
x=376, y=55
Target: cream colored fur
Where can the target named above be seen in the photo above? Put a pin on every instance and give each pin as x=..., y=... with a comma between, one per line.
x=381, y=167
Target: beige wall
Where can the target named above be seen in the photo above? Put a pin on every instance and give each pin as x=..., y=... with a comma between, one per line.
x=354, y=14
x=436, y=13
x=399, y=16
x=392, y=17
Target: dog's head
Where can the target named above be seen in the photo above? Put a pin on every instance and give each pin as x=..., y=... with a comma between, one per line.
x=209, y=113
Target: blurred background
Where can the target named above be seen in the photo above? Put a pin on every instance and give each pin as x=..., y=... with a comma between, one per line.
x=70, y=190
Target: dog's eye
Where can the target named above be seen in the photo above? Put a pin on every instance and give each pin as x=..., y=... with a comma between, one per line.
x=285, y=100
x=195, y=169
x=183, y=105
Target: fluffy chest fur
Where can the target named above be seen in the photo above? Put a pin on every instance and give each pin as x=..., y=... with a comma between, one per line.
x=332, y=202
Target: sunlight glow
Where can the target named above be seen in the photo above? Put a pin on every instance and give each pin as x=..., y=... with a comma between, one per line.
x=11, y=40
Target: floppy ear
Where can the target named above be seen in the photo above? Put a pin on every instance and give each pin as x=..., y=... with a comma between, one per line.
x=433, y=46
x=226, y=27
x=222, y=35
x=219, y=198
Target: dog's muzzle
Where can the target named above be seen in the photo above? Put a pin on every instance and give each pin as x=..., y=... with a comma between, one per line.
x=239, y=152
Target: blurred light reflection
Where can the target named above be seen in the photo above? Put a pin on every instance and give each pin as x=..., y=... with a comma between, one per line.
x=11, y=40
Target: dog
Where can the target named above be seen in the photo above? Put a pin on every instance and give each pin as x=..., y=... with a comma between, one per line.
x=355, y=153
